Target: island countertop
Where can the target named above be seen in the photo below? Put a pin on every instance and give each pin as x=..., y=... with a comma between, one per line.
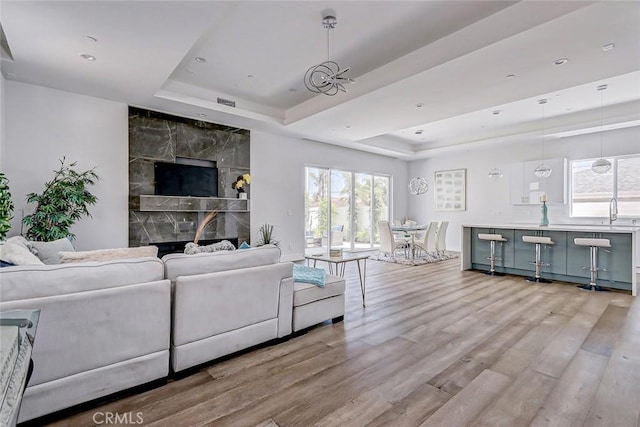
x=620, y=263
x=587, y=228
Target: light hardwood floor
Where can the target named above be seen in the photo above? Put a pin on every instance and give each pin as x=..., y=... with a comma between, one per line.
x=435, y=346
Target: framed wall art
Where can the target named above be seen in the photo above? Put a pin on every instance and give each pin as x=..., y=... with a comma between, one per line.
x=450, y=191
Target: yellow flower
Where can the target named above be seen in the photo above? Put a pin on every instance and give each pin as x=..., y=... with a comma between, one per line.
x=240, y=184
x=247, y=178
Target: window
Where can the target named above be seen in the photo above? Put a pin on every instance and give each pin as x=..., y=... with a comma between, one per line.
x=591, y=193
x=346, y=203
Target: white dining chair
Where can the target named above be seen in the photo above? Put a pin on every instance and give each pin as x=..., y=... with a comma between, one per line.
x=428, y=243
x=388, y=243
x=441, y=240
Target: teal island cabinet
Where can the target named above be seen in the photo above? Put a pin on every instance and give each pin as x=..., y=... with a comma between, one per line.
x=563, y=260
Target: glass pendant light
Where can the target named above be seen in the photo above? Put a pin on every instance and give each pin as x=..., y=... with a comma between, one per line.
x=495, y=173
x=601, y=165
x=542, y=171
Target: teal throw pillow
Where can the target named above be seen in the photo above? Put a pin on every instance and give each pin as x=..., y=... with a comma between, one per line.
x=244, y=245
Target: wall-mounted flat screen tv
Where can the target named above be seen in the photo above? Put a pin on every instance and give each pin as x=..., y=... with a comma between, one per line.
x=175, y=179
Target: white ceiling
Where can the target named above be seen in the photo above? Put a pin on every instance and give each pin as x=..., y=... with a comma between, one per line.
x=450, y=56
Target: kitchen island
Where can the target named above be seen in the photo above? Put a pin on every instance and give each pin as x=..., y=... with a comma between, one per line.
x=620, y=263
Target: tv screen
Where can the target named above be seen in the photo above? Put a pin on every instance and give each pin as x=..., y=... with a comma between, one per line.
x=174, y=179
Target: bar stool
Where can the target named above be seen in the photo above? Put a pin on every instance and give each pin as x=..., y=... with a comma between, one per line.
x=493, y=238
x=594, y=245
x=538, y=241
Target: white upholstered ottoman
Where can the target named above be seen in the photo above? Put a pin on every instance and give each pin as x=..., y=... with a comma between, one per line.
x=313, y=305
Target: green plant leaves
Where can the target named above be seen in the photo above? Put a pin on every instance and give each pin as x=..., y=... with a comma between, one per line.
x=65, y=200
x=6, y=207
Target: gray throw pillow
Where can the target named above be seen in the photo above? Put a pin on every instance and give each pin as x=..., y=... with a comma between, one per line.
x=192, y=248
x=48, y=251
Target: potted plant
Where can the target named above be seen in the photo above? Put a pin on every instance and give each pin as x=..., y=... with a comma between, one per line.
x=265, y=235
x=240, y=184
x=65, y=200
x=6, y=207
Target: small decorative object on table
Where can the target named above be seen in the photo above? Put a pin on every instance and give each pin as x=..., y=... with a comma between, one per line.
x=240, y=183
x=544, y=220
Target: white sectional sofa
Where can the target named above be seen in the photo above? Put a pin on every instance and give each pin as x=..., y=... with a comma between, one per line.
x=224, y=302
x=108, y=326
x=104, y=327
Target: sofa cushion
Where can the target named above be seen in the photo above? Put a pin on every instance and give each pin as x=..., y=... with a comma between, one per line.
x=33, y=281
x=48, y=252
x=176, y=265
x=305, y=293
x=109, y=254
x=17, y=251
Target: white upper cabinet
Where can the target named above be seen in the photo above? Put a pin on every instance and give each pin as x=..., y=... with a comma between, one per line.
x=526, y=188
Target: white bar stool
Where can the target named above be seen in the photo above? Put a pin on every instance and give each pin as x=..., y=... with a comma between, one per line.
x=538, y=241
x=594, y=245
x=493, y=238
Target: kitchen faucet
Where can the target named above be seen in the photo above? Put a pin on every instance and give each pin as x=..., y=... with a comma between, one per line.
x=613, y=210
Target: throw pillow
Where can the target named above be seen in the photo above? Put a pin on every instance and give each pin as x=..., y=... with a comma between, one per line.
x=244, y=245
x=108, y=254
x=17, y=253
x=192, y=248
x=48, y=251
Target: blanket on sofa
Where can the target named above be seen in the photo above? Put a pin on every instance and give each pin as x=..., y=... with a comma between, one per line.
x=315, y=276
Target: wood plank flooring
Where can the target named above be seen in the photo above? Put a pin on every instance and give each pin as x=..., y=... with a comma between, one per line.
x=435, y=346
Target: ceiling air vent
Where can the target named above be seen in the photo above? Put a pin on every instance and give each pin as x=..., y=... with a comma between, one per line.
x=227, y=102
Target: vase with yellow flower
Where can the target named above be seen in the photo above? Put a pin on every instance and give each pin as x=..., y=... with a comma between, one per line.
x=240, y=185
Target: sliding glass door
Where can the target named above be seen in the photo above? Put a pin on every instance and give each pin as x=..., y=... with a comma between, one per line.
x=346, y=216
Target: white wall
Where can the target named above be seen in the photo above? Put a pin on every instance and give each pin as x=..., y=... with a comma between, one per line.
x=487, y=200
x=277, y=182
x=41, y=126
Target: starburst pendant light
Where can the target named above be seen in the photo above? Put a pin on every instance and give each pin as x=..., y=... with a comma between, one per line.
x=601, y=165
x=327, y=78
x=542, y=171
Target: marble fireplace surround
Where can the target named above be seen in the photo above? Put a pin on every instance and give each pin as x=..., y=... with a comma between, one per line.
x=161, y=137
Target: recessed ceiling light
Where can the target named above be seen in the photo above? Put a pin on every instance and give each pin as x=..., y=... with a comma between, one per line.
x=200, y=59
x=250, y=76
x=418, y=132
x=608, y=47
x=87, y=57
x=292, y=89
x=497, y=111
x=348, y=126
x=90, y=39
x=510, y=76
x=202, y=115
x=568, y=109
x=560, y=61
x=419, y=104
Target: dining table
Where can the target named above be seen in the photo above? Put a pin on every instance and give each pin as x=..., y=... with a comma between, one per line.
x=411, y=230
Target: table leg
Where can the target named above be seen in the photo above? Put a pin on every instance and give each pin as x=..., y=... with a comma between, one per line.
x=362, y=273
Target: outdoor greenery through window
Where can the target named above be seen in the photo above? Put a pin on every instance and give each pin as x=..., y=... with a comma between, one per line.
x=591, y=193
x=342, y=209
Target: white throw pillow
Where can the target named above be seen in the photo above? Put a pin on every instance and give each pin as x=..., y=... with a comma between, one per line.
x=108, y=254
x=17, y=253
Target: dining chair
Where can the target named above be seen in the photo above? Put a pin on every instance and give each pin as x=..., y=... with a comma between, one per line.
x=388, y=243
x=441, y=240
x=428, y=243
